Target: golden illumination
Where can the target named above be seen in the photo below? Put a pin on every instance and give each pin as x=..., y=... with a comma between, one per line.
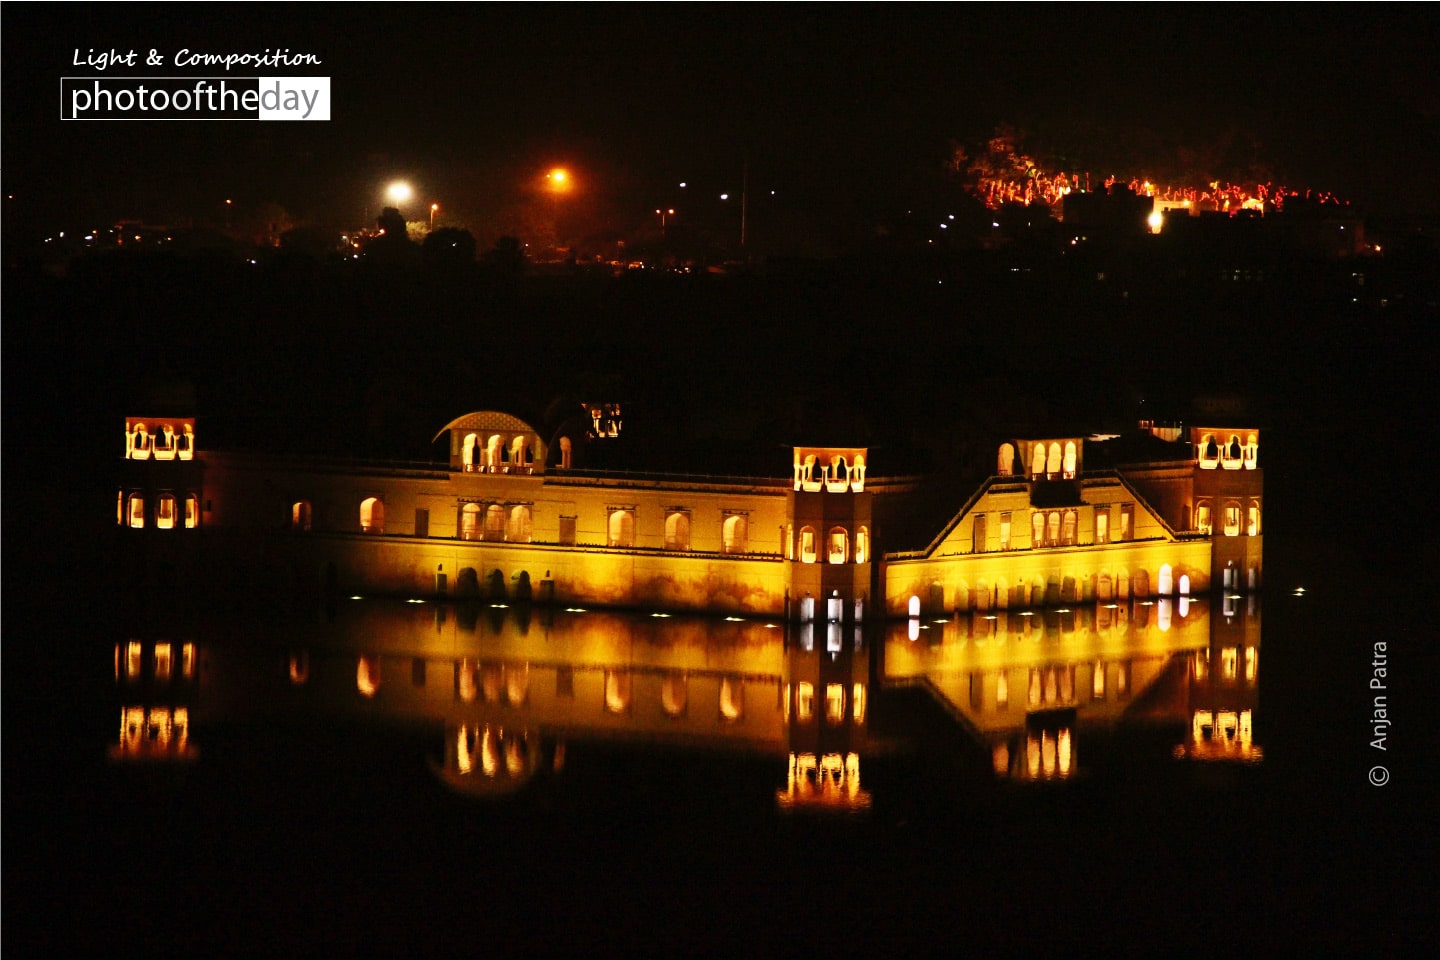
x=367, y=675
x=399, y=192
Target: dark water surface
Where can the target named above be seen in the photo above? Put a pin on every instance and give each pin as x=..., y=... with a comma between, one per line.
x=391, y=778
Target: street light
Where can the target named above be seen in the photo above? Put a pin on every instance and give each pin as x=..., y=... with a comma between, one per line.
x=433, y=208
x=399, y=192
x=663, y=214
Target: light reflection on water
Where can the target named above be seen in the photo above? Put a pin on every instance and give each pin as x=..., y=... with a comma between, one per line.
x=510, y=694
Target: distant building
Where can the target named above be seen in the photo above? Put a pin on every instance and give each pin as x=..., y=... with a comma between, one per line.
x=510, y=518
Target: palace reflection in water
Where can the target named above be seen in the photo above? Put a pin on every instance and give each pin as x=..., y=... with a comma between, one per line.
x=510, y=693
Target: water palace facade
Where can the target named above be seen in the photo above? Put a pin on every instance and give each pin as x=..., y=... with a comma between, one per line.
x=511, y=518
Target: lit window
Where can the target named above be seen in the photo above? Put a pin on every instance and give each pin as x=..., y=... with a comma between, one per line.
x=1004, y=531
x=192, y=511
x=1037, y=461
x=622, y=528
x=372, y=516
x=1037, y=529
x=470, y=521
x=139, y=443
x=1069, y=464
x=1227, y=663
x=1067, y=532
x=163, y=661
x=132, y=659
x=1127, y=521
x=137, y=511
x=165, y=512
x=736, y=534
x=862, y=545
x=1232, y=519
x=839, y=545
x=1002, y=690
x=807, y=544
x=367, y=675
x=518, y=528
x=1252, y=519
x=1052, y=463
x=494, y=522
x=300, y=515
x=677, y=531
x=120, y=507
x=835, y=703
x=1097, y=682
x=1006, y=465
x=1052, y=528
x=187, y=660
x=1202, y=516
x=1102, y=523
x=857, y=697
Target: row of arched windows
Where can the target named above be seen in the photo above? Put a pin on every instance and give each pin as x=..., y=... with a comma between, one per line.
x=164, y=444
x=495, y=522
x=497, y=453
x=1231, y=455
x=674, y=694
x=836, y=546
x=734, y=531
x=170, y=511
x=1052, y=462
x=999, y=594
x=1235, y=518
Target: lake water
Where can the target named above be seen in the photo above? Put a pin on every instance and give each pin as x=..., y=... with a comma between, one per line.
x=412, y=778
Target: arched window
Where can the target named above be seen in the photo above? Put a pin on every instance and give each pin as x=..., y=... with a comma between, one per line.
x=165, y=443
x=1052, y=463
x=1052, y=528
x=807, y=544
x=1252, y=519
x=1037, y=461
x=300, y=515
x=1233, y=455
x=192, y=511
x=622, y=528
x=839, y=545
x=1104, y=590
x=1232, y=519
x=493, y=453
x=494, y=522
x=736, y=534
x=139, y=443
x=137, y=511
x=187, y=443
x=857, y=474
x=914, y=605
x=1006, y=465
x=835, y=703
x=1069, y=464
x=565, y=453
x=1067, y=529
x=470, y=452
x=519, y=455
x=1166, y=584
x=518, y=529
x=1037, y=529
x=165, y=512
x=1203, y=520
x=470, y=521
x=677, y=530
x=1184, y=586
x=1102, y=523
x=1209, y=452
x=862, y=545
x=120, y=507
x=1252, y=451
x=732, y=698
x=372, y=516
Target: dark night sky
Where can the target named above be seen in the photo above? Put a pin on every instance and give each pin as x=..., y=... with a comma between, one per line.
x=844, y=110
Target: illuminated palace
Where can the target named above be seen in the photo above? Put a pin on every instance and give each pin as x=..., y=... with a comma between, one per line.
x=513, y=517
